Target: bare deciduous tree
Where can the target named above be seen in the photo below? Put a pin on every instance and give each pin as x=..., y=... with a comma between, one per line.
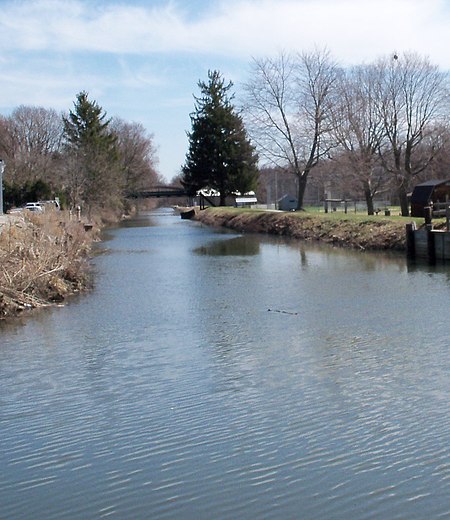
x=30, y=140
x=412, y=97
x=359, y=131
x=288, y=110
x=137, y=154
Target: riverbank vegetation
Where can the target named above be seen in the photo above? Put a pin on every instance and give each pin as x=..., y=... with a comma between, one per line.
x=43, y=259
x=354, y=231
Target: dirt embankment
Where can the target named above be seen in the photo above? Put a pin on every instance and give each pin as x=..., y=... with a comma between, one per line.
x=43, y=259
x=362, y=233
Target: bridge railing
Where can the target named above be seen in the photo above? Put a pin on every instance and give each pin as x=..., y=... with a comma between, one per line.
x=158, y=191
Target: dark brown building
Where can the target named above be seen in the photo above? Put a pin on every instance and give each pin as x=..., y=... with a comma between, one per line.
x=428, y=193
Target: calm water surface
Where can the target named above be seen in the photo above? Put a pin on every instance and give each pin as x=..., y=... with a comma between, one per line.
x=217, y=376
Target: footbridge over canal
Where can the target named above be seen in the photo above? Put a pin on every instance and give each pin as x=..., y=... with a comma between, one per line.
x=158, y=192
x=171, y=191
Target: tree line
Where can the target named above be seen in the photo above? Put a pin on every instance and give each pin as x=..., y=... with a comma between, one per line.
x=82, y=157
x=368, y=129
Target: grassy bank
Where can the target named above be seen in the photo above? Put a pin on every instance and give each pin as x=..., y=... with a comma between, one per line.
x=44, y=259
x=345, y=230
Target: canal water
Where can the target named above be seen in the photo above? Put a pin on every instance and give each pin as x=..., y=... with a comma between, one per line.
x=211, y=375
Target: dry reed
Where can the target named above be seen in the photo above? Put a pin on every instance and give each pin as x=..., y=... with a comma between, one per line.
x=43, y=259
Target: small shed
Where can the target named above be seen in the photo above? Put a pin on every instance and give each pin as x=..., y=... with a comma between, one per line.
x=287, y=203
x=428, y=193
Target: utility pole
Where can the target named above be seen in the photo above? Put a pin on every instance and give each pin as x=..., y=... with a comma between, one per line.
x=2, y=169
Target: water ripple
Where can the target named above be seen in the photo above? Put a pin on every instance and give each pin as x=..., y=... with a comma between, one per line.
x=194, y=406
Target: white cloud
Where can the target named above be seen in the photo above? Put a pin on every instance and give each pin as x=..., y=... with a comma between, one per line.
x=141, y=60
x=353, y=30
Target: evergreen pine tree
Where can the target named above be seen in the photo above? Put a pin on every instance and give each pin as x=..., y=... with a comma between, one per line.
x=220, y=155
x=94, y=171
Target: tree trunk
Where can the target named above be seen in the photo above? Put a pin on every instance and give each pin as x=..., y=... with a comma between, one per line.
x=403, y=196
x=301, y=191
x=222, y=191
x=369, y=200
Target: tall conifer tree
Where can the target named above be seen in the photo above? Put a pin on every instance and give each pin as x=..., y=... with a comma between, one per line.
x=220, y=155
x=94, y=169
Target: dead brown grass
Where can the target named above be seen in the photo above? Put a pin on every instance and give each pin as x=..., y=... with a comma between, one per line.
x=43, y=259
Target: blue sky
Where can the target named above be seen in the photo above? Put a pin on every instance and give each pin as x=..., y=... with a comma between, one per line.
x=141, y=59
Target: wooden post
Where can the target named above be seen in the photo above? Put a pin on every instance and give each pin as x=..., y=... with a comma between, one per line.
x=410, y=240
x=431, y=247
x=428, y=213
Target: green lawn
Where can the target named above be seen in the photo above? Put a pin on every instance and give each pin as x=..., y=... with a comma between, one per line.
x=360, y=216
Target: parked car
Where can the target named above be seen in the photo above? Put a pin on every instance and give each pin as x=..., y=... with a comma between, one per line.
x=34, y=206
